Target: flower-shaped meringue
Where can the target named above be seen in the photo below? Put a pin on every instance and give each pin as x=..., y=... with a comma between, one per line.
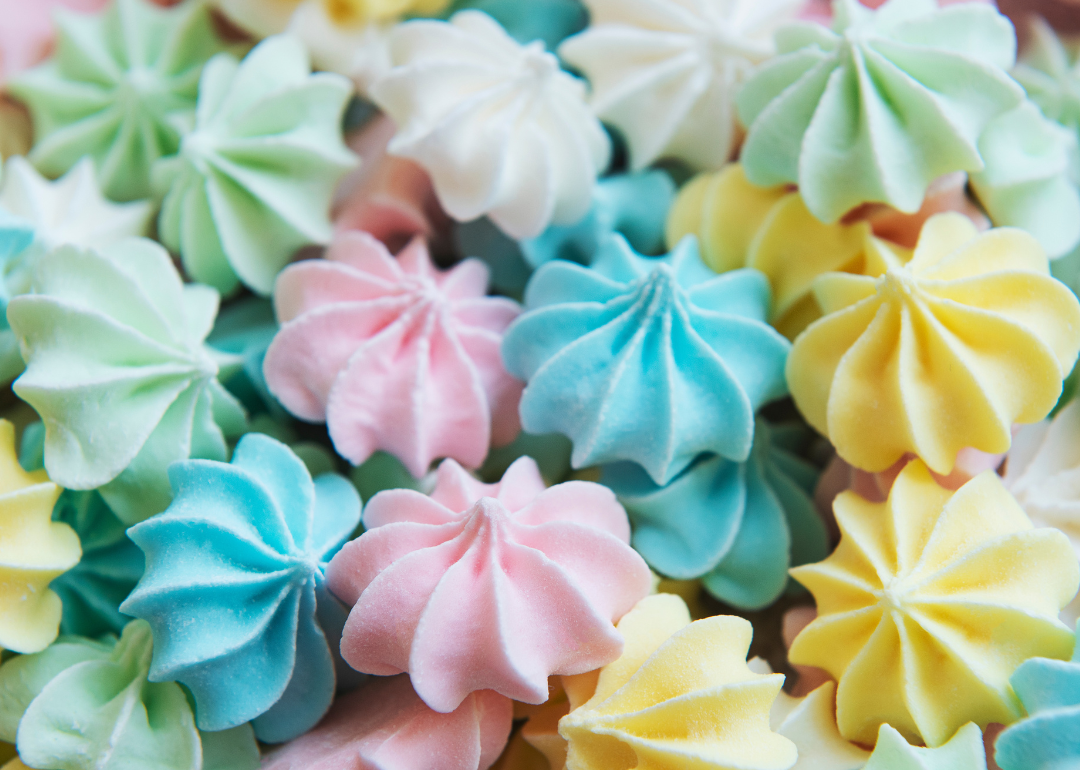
x=33, y=551
x=770, y=229
x=254, y=179
x=666, y=72
x=255, y=533
x=1049, y=738
x=681, y=695
x=117, y=369
x=85, y=704
x=70, y=210
x=385, y=726
x=652, y=360
x=502, y=130
x=737, y=526
x=944, y=352
x=1049, y=70
x=488, y=586
x=930, y=602
x=119, y=88
x=1026, y=181
x=881, y=105
x=27, y=34
x=394, y=354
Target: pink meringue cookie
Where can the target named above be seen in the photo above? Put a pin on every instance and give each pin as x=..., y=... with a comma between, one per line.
x=384, y=726
x=27, y=33
x=394, y=354
x=488, y=586
x=820, y=11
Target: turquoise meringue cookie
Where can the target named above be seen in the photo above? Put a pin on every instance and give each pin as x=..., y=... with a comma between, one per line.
x=246, y=329
x=1026, y=181
x=119, y=89
x=1049, y=738
x=234, y=587
x=551, y=21
x=737, y=526
x=118, y=371
x=254, y=179
x=651, y=360
x=881, y=105
x=87, y=705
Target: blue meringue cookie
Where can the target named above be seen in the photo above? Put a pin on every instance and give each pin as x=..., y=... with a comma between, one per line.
x=1049, y=738
x=549, y=20
x=737, y=526
x=245, y=329
x=651, y=360
x=234, y=587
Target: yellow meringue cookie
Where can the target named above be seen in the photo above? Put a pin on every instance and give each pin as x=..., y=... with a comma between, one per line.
x=33, y=550
x=681, y=695
x=930, y=602
x=769, y=228
x=943, y=352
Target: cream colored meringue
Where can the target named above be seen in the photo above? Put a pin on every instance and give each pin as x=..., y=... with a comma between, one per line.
x=501, y=129
x=358, y=50
x=665, y=72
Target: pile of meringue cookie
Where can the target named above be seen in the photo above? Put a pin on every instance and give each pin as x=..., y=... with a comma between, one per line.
x=538, y=384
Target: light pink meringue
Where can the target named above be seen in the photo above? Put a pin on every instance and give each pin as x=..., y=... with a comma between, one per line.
x=394, y=354
x=820, y=11
x=488, y=586
x=384, y=726
x=27, y=33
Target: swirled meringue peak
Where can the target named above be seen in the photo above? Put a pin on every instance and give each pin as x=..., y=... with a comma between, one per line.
x=70, y=210
x=488, y=586
x=385, y=726
x=681, y=695
x=121, y=85
x=234, y=587
x=118, y=371
x=1049, y=70
x=254, y=179
x=879, y=106
x=737, y=526
x=1049, y=738
x=1026, y=181
x=930, y=602
x=33, y=551
x=944, y=352
x=394, y=354
x=651, y=360
x=501, y=129
x=666, y=72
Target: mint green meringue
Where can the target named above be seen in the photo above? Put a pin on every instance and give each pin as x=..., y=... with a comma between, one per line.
x=1049, y=71
x=118, y=371
x=879, y=106
x=254, y=179
x=119, y=88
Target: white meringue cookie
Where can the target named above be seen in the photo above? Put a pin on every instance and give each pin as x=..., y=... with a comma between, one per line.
x=499, y=127
x=360, y=51
x=665, y=72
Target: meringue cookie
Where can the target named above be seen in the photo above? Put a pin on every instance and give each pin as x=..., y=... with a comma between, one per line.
x=85, y=705
x=945, y=352
x=1049, y=738
x=358, y=49
x=810, y=723
x=121, y=85
x=930, y=602
x=254, y=534
x=245, y=329
x=652, y=360
x=881, y=105
x=502, y=130
x=385, y=726
x=394, y=354
x=27, y=34
x=680, y=695
x=1049, y=70
x=117, y=369
x=737, y=526
x=488, y=586
x=70, y=210
x=771, y=230
x=254, y=179
x=964, y=751
x=550, y=21
x=666, y=72
x=33, y=552
x=1026, y=180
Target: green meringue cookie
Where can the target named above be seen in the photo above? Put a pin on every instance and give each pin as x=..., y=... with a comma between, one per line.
x=253, y=181
x=118, y=371
x=1026, y=181
x=1049, y=71
x=119, y=89
x=881, y=105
